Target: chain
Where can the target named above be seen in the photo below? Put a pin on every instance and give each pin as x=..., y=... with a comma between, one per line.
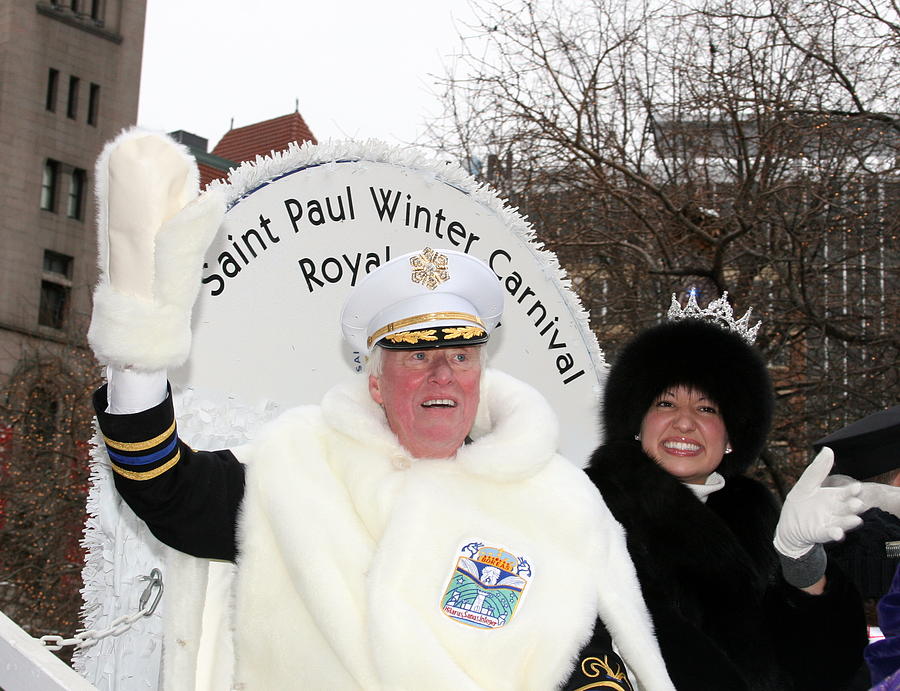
x=85, y=639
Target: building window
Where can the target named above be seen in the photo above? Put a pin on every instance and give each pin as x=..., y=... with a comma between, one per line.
x=55, y=287
x=54, y=299
x=48, y=185
x=93, y=104
x=87, y=15
x=60, y=265
x=52, y=88
x=72, y=107
x=75, y=206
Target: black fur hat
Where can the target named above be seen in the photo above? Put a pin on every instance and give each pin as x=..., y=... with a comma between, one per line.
x=703, y=356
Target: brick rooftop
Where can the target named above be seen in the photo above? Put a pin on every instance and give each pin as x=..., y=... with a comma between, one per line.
x=262, y=138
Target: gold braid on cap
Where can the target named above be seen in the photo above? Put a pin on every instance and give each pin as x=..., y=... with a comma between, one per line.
x=413, y=336
x=419, y=318
x=464, y=332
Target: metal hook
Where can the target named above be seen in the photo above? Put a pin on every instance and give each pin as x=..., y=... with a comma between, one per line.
x=155, y=579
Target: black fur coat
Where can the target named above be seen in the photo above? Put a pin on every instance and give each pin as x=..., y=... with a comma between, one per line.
x=724, y=617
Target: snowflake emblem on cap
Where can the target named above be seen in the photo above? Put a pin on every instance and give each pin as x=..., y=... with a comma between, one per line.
x=430, y=268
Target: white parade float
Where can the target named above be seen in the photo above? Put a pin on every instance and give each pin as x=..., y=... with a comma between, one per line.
x=303, y=226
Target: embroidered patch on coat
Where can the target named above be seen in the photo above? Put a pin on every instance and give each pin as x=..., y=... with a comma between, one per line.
x=486, y=587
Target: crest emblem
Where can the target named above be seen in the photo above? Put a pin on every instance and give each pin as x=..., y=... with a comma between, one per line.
x=486, y=587
x=430, y=268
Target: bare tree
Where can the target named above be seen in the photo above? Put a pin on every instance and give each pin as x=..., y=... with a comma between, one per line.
x=744, y=146
x=45, y=430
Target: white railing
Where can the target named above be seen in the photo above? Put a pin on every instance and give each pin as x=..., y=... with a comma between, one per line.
x=25, y=663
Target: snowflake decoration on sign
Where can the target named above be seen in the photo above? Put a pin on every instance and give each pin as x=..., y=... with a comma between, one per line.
x=430, y=268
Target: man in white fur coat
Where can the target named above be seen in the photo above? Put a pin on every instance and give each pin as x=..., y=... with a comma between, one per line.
x=417, y=529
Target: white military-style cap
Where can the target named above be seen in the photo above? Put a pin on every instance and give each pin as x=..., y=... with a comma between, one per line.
x=427, y=299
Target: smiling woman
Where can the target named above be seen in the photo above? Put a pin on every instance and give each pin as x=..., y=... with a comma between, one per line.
x=687, y=408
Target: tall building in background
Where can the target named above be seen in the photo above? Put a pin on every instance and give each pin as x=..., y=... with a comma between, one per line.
x=69, y=77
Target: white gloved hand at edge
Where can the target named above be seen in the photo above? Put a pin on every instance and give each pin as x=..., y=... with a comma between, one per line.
x=815, y=514
x=871, y=494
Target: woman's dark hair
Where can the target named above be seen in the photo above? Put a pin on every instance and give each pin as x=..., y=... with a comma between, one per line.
x=701, y=356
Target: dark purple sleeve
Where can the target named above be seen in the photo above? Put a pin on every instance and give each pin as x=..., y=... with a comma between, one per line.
x=883, y=657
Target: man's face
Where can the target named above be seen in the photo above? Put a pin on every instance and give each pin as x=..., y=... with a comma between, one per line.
x=430, y=397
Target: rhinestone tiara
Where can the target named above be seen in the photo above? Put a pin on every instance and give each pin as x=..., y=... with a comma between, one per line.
x=718, y=311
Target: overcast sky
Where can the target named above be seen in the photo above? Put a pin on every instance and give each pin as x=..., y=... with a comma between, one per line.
x=357, y=68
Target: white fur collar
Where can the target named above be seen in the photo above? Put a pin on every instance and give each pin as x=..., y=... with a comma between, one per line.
x=512, y=416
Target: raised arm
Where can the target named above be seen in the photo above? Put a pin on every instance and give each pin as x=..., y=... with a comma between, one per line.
x=153, y=230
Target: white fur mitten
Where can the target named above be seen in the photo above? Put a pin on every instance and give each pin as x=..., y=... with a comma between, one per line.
x=152, y=232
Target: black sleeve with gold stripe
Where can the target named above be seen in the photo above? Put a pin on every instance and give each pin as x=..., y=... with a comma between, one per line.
x=189, y=499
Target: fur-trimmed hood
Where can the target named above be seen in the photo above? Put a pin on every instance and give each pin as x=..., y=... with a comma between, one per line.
x=705, y=357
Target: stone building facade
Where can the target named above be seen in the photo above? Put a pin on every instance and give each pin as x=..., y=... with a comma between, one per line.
x=69, y=78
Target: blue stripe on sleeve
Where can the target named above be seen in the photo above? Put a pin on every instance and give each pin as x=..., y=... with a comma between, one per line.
x=143, y=460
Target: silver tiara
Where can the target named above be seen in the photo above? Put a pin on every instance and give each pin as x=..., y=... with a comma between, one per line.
x=719, y=312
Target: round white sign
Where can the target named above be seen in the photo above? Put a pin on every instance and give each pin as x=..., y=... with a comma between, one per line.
x=303, y=228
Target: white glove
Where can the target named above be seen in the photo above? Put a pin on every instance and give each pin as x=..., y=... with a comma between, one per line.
x=152, y=233
x=871, y=494
x=814, y=514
